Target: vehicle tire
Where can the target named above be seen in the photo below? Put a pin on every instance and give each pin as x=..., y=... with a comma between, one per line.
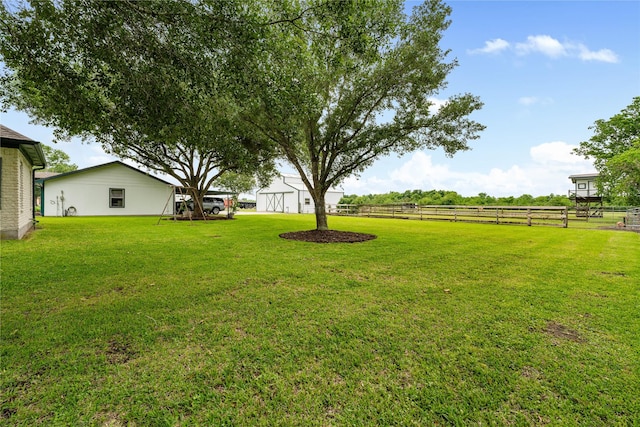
x=216, y=211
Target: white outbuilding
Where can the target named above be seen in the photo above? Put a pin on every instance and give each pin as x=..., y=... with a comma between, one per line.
x=110, y=189
x=585, y=185
x=586, y=196
x=288, y=194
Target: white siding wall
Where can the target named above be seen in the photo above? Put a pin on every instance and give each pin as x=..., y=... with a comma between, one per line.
x=88, y=193
x=288, y=194
x=16, y=206
x=586, y=188
x=277, y=197
x=333, y=198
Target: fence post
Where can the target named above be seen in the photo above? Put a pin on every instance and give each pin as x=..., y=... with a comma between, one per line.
x=529, y=217
x=565, y=221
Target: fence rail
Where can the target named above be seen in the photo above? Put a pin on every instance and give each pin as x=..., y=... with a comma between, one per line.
x=521, y=215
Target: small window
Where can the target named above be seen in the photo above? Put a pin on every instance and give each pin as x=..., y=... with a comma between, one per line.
x=582, y=186
x=116, y=197
x=307, y=201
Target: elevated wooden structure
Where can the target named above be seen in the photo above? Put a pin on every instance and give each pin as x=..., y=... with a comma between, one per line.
x=588, y=202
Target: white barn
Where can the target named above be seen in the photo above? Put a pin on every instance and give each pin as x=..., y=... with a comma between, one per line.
x=111, y=189
x=288, y=194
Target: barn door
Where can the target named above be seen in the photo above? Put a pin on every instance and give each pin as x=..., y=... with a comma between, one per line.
x=275, y=202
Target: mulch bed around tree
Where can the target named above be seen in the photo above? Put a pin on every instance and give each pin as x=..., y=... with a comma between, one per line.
x=328, y=236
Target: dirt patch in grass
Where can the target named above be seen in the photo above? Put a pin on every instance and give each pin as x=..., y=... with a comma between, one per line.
x=119, y=351
x=7, y=413
x=558, y=330
x=613, y=273
x=530, y=372
x=328, y=236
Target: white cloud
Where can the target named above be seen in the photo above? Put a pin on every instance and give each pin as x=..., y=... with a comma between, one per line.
x=548, y=46
x=544, y=44
x=420, y=170
x=558, y=154
x=603, y=55
x=533, y=100
x=527, y=100
x=492, y=46
x=545, y=172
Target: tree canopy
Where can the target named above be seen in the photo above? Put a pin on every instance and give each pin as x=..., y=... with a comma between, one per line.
x=198, y=88
x=57, y=160
x=352, y=82
x=144, y=79
x=615, y=150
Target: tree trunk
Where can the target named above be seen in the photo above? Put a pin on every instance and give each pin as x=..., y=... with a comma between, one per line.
x=197, y=197
x=321, y=213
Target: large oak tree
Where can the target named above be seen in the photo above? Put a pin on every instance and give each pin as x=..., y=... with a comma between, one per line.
x=143, y=78
x=351, y=81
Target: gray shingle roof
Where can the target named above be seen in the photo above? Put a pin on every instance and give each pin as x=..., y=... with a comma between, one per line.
x=7, y=133
x=30, y=148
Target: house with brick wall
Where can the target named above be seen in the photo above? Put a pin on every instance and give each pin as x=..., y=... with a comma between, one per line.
x=20, y=157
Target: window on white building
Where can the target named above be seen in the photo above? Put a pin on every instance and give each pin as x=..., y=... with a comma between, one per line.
x=307, y=201
x=116, y=197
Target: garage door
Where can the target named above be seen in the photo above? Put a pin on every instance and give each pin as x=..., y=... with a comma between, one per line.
x=275, y=202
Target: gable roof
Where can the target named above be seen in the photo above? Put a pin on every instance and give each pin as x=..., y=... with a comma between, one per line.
x=295, y=181
x=584, y=176
x=31, y=149
x=8, y=134
x=116, y=162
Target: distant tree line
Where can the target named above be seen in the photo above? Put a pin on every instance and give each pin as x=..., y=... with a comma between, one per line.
x=442, y=197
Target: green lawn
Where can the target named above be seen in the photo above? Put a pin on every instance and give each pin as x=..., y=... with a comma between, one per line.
x=119, y=321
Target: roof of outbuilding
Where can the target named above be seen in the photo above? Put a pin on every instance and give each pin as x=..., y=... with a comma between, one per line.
x=32, y=149
x=43, y=174
x=116, y=162
x=584, y=175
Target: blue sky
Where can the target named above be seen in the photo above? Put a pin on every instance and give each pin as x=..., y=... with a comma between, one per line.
x=545, y=70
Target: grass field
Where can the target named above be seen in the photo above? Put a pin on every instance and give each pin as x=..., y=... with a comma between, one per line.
x=122, y=322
